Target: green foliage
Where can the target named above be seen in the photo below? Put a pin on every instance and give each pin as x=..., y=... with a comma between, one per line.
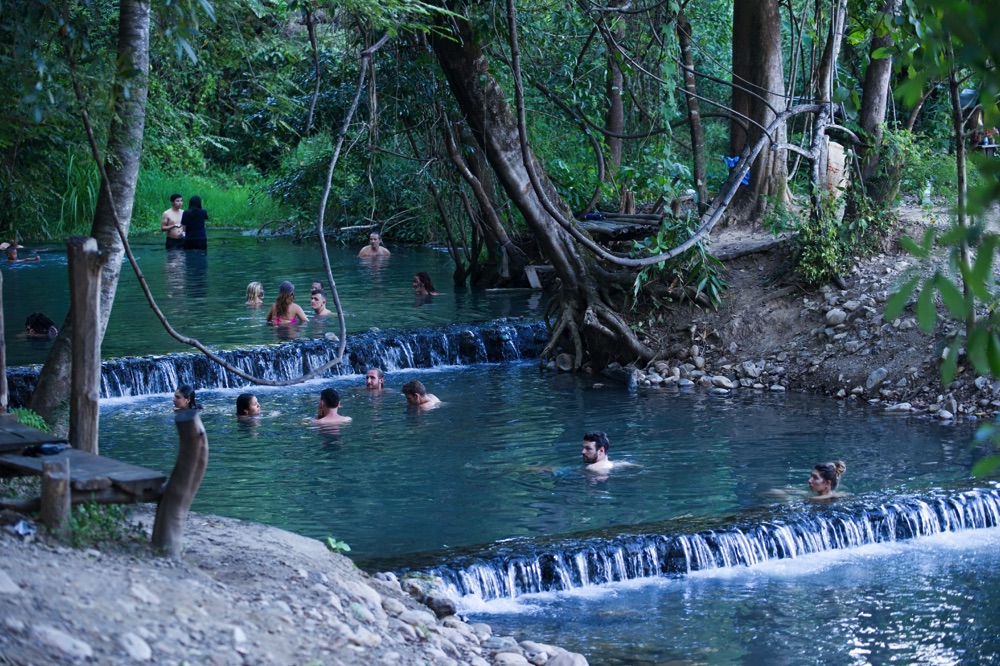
x=337, y=546
x=695, y=269
x=30, y=418
x=92, y=523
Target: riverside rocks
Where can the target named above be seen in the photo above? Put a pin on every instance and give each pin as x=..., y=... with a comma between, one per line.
x=242, y=593
x=828, y=341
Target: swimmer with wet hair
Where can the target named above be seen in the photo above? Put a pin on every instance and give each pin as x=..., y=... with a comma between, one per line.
x=825, y=478
x=328, y=410
x=255, y=294
x=38, y=325
x=417, y=395
x=247, y=405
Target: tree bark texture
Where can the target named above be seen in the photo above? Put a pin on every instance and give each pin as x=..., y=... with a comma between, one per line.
x=588, y=323
x=121, y=161
x=614, y=120
x=189, y=470
x=759, y=94
x=694, y=113
x=56, y=496
x=85, y=303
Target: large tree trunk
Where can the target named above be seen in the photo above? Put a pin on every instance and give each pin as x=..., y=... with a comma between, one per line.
x=584, y=316
x=694, y=113
x=122, y=166
x=614, y=121
x=759, y=94
x=879, y=191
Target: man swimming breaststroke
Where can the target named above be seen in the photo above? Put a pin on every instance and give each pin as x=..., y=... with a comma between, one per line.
x=595, y=452
x=417, y=395
x=329, y=405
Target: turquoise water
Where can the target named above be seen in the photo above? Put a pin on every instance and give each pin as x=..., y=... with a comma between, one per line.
x=203, y=294
x=501, y=458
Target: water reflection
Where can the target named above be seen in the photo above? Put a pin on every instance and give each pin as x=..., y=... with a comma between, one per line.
x=205, y=297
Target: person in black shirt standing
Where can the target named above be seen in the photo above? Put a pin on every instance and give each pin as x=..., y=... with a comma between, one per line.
x=193, y=221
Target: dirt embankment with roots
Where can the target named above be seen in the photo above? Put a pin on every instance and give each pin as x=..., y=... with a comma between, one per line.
x=773, y=334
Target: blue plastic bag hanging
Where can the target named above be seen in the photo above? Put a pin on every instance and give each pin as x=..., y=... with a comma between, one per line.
x=731, y=162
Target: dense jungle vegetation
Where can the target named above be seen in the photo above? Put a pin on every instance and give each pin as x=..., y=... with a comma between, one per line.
x=493, y=128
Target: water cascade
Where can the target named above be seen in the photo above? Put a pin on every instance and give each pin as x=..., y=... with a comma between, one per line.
x=493, y=342
x=516, y=567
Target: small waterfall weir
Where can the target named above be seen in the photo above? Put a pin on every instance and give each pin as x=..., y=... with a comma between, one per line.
x=390, y=350
x=512, y=568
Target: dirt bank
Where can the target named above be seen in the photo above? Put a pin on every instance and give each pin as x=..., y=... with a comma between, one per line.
x=243, y=593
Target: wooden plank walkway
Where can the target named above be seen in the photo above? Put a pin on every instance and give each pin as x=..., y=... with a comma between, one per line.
x=15, y=436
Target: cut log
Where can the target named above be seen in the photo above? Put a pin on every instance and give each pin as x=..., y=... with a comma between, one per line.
x=192, y=459
x=56, y=496
x=85, y=263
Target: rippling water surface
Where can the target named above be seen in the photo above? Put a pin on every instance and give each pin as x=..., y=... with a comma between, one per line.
x=203, y=294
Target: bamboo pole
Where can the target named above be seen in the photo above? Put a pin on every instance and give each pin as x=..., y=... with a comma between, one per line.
x=192, y=459
x=85, y=304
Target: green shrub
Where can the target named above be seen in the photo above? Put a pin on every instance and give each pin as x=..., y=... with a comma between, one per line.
x=92, y=523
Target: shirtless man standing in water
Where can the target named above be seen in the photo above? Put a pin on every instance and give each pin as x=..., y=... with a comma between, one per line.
x=170, y=222
x=374, y=247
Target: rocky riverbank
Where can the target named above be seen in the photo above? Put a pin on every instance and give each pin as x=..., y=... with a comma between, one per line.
x=243, y=593
x=771, y=334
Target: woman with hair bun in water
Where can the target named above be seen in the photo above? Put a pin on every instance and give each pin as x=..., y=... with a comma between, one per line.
x=825, y=478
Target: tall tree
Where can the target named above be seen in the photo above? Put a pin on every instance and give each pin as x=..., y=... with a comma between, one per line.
x=121, y=163
x=758, y=95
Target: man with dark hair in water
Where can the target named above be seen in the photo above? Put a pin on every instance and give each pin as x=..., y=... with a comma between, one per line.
x=170, y=222
x=38, y=325
x=418, y=396
x=329, y=404
x=595, y=452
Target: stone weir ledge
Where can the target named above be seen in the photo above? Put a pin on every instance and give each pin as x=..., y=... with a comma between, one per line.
x=389, y=349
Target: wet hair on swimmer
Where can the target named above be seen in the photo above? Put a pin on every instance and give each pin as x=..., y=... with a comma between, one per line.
x=831, y=471
x=38, y=323
x=243, y=403
x=187, y=392
x=599, y=438
x=330, y=398
x=414, y=387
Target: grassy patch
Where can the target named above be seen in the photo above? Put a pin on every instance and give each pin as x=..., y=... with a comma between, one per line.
x=232, y=200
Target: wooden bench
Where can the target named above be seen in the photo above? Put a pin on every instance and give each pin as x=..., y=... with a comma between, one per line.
x=72, y=476
x=92, y=479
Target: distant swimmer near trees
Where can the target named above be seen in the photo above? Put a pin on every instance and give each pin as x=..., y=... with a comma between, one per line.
x=193, y=219
x=374, y=247
x=825, y=478
x=170, y=222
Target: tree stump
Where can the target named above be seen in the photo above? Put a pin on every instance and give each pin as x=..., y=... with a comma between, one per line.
x=56, y=496
x=192, y=459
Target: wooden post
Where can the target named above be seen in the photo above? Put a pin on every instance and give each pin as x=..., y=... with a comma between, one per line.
x=192, y=459
x=85, y=311
x=3, y=357
x=56, y=496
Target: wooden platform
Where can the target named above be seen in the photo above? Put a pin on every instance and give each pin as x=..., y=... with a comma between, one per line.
x=93, y=478
x=15, y=436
